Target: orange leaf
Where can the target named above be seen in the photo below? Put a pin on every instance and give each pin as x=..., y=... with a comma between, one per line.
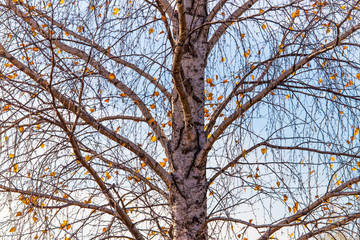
x=112, y=76
x=263, y=150
x=13, y=229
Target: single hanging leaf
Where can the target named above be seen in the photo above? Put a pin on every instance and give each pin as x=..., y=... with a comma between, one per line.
x=153, y=139
x=151, y=30
x=356, y=131
x=112, y=76
x=62, y=1
x=263, y=150
x=358, y=76
x=116, y=11
x=13, y=229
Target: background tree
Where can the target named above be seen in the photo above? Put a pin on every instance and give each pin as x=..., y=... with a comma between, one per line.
x=179, y=120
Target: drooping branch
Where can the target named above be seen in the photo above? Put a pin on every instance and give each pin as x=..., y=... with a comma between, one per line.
x=102, y=50
x=330, y=227
x=233, y=17
x=272, y=85
x=104, y=72
x=67, y=201
x=126, y=169
x=73, y=107
x=334, y=193
x=120, y=213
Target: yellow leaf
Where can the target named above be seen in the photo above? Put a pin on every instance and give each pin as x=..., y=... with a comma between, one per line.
x=285, y=198
x=246, y=54
x=151, y=30
x=112, y=76
x=38, y=126
x=331, y=165
x=143, y=165
x=165, y=159
x=278, y=184
x=356, y=131
x=287, y=96
x=62, y=1
x=263, y=150
x=153, y=139
x=35, y=219
x=87, y=158
x=220, y=97
x=123, y=94
x=163, y=164
x=11, y=155
x=107, y=175
x=15, y=168
x=261, y=11
x=295, y=14
x=13, y=229
x=6, y=138
x=153, y=106
x=263, y=26
x=52, y=174
x=222, y=59
x=332, y=158
x=116, y=11
x=92, y=110
x=42, y=145
x=358, y=76
x=338, y=182
x=21, y=129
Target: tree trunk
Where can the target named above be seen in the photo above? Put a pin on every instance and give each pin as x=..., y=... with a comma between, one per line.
x=188, y=193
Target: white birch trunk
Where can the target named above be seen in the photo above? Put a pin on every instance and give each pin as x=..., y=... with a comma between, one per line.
x=188, y=194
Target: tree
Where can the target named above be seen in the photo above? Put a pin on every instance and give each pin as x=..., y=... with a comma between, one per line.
x=179, y=120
